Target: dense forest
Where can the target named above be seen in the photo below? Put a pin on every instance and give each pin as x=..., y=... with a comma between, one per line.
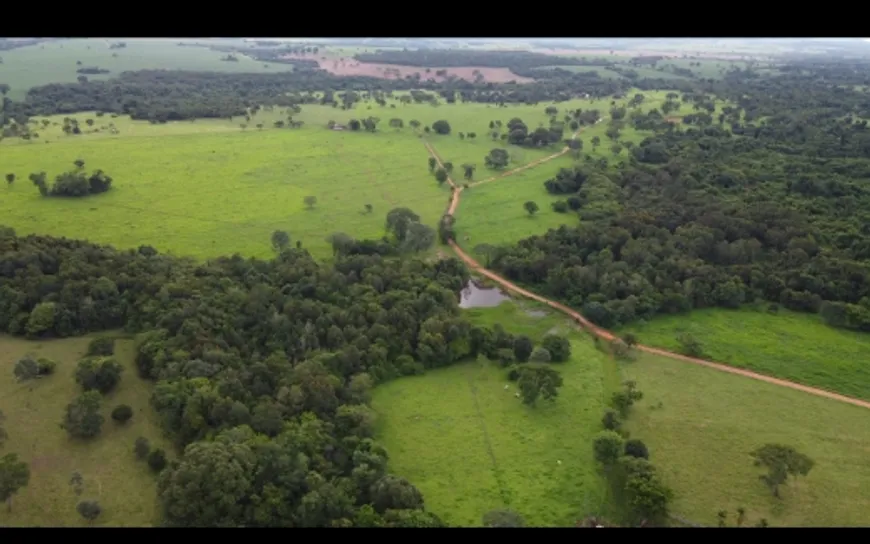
x=768, y=200
x=263, y=368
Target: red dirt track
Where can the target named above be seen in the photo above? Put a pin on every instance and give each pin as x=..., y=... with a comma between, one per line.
x=602, y=333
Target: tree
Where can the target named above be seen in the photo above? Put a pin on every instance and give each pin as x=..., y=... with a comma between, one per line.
x=310, y=201
x=102, y=346
x=448, y=166
x=418, y=237
x=625, y=399
x=368, y=208
x=157, y=460
x=397, y=123
x=10, y=178
x=353, y=124
x=558, y=346
x=540, y=355
x=280, y=240
x=399, y=221
x=781, y=462
x=90, y=510
x=538, y=380
x=441, y=127
x=441, y=175
x=122, y=413
x=28, y=368
x=689, y=345
x=83, y=419
x=468, y=171
x=496, y=159
x=608, y=447
x=522, y=348
x=636, y=448
x=596, y=141
x=415, y=124
x=433, y=162
x=14, y=474
x=142, y=447
x=100, y=373
x=647, y=496
x=530, y=207
x=503, y=518
x=79, y=163
x=611, y=420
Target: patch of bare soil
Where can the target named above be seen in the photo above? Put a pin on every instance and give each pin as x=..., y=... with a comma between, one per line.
x=675, y=119
x=351, y=67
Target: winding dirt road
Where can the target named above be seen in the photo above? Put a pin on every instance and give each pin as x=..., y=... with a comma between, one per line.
x=598, y=331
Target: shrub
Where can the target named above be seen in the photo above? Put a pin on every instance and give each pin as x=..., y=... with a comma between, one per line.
x=90, y=510
x=100, y=373
x=102, y=346
x=157, y=460
x=142, y=447
x=122, y=413
x=611, y=420
x=636, y=448
x=558, y=346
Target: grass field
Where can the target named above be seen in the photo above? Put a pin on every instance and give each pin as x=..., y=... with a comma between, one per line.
x=709, y=421
x=470, y=446
x=700, y=425
x=55, y=62
x=790, y=345
x=124, y=487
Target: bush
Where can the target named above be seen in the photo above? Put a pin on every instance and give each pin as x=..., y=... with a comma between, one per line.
x=611, y=420
x=558, y=346
x=90, y=510
x=441, y=127
x=157, y=460
x=100, y=373
x=83, y=418
x=513, y=373
x=560, y=206
x=142, y=447
x=540, y=355
x=689, y=345
x=122, y=413
x=28, y=368
x=102, y=346
x=636, y=448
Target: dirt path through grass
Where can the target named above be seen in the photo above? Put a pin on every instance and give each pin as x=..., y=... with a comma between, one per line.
x=603, y=333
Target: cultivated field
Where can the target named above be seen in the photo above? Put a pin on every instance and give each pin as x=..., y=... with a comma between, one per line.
x=471, y=446
x=795, y=346
x=701, y=424
x=55, y=62
x=124, y=487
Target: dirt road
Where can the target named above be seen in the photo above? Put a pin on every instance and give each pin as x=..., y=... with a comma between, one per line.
x=598, y=331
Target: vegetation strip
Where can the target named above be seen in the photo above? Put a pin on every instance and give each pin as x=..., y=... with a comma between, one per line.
x=605, y=334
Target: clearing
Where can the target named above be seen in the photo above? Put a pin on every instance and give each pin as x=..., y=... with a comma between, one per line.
x=795, y=346
x=125, y=488
x=471, y=446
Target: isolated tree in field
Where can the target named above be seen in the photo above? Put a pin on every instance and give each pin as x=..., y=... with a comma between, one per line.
x=433, y=162
x=461, y=135
x=10, y=178
x=441, y=175
x=79, y=163
x=102, y=346
x=415, y=124
x=280, y=240
x=611, y=420
x=608, y=447
x=368, y=208
x=596, y=141
x=471, y=135
x=531, y=208
x=310, y=201
x=260, y=126
x=142, y=447
x=426, y=129
x=122, y=413
x=538, y=381
x=77, y=483
x=497, y=159
x=157, y=460
x=98, y=373
x=503, y=518
x=448, y=166
x=90, y=510
x=781, y=462
x=83, y=418
x=523, y=348
x=540, y=355
x=14, y=474
x=397, y=123
x=353, y=124
x=468, y=171
x=441, y=127
x=558, y=346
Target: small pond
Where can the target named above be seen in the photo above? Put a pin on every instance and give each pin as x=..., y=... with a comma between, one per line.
x=476, y=296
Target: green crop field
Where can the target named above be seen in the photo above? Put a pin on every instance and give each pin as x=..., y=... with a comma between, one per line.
x=790, y=345
x=701, y=424
x=55, y=62
x=471, y=446
x=124, y=487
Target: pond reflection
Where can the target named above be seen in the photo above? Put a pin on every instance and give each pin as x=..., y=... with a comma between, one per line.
x=476, y=296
